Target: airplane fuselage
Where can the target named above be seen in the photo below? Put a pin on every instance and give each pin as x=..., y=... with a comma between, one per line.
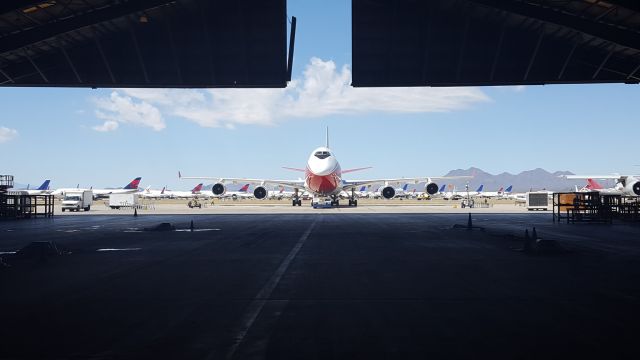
x=323, y=175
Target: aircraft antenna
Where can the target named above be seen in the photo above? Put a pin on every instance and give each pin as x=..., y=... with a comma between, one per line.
x=327, y=137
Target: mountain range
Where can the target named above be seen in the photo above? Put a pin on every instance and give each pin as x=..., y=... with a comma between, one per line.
x=536, y=179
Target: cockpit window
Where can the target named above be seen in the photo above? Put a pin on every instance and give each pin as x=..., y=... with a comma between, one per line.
x=322, y=154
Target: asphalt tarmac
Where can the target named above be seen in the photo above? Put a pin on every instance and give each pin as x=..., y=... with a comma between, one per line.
x=320, y=286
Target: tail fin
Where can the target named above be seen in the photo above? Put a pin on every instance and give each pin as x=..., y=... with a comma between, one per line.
x=508, y=190
x=501, y=189
x=45, y=185
x=197, y=189
x=593, y=185
x=442, y=188
x=133, y=185
x=480, y=188
x=245, y=188
x=362, y=189
x=404, y=188
x=163, y=189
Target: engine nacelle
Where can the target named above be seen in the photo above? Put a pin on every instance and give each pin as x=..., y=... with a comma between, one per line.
x=388, y=192
x=260, y=192
x=218, y=189
x=632, y=187
x=431, y=188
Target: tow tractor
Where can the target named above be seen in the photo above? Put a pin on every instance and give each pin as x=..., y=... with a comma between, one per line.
x=322, y=203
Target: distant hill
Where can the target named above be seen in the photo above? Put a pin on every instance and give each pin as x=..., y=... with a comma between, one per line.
x=536, y=179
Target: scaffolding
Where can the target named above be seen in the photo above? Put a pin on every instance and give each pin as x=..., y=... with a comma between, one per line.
x=595, y=207
x=20, y=204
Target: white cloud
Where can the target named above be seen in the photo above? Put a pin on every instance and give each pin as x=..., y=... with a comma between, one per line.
x=7, y=134
x=118, y=109
x=323, y=90
x=108, y=125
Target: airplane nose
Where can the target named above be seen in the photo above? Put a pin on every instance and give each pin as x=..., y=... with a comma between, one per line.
x=323, y=168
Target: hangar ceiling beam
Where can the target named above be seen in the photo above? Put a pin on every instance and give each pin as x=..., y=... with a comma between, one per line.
x=605, y=32
x=40, y=33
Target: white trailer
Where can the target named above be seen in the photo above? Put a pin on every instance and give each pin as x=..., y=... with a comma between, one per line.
x=537, y=200
x=116, y=201
x=74, y=200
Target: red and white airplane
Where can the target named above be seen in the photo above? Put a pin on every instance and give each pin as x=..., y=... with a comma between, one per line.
x=628, y=185
x=323, y=178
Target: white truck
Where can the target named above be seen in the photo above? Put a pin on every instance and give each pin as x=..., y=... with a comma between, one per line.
x=76, y=200
x=116, y=201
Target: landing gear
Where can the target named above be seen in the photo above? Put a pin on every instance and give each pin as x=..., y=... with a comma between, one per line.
x=296, y=199
x=353, y=201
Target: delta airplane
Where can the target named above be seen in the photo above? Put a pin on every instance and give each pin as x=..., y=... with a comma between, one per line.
x=625, y=184
x=185, y=194
x=131, y=187
x=243, y=193
x=323, y=178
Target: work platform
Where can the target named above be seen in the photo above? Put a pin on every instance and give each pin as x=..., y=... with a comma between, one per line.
x=20, y=204
x=595, y=207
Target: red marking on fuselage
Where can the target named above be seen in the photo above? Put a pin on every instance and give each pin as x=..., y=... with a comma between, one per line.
x=323, y=184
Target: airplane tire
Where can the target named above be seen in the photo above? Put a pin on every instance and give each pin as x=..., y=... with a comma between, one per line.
x=294, y=203
x=299, y=202
x=355, y=203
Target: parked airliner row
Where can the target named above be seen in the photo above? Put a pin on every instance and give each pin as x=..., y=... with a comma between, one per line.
x=323, y=178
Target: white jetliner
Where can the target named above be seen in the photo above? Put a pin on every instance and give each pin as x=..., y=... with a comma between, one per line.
x=323, y=179
x=625, y=184
x=243, y=193
x=154, y=194
x=460, y=194
x=195, y=192
x=131, y=187
x=497, y=194
x=41, y=190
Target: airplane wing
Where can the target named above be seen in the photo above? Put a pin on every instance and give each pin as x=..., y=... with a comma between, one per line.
x=584, y=177
x=265, y=182
x=348, y=184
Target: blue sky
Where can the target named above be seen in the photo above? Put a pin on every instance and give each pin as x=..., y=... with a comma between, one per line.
x=105, y=137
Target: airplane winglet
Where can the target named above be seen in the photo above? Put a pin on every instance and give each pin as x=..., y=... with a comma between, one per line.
x=179, y=175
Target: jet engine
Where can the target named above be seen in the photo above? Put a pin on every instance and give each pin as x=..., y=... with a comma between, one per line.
x=632, y=186
x=260, y=192
x=431, y=188
x=218, y=189
x=388, y=192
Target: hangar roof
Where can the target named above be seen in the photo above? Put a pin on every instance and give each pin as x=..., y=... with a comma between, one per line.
x=495, y=42
x=143, y=43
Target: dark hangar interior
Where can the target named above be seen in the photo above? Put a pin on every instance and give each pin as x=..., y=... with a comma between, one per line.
x=246, y=43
